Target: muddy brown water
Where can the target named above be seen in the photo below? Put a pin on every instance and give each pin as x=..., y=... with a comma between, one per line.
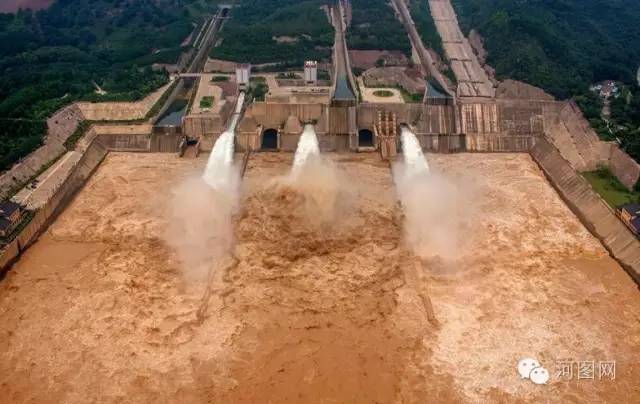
x=321, y=311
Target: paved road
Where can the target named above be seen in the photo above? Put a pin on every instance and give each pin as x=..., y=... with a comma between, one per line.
x=342, y=89
x=197, y=66
x=416, y=41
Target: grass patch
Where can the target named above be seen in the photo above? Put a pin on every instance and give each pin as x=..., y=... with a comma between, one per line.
x=70, y=143
x=206, y=102
x=374, y=26
x=323, y=75
x=289, y=75
x=249, y=34
x=219, y=79
x=161, y=101
x=408, y=97
x=257, y=91
x=383, y=93
x=610, y=188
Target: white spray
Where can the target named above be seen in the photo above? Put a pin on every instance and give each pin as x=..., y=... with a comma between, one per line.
x=432, y=204
x=415, y=163
x=219, y=173
x=316, y=184
x=308, y=148
x=200, y=213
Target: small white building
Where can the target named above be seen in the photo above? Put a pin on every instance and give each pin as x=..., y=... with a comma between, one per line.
x=311, y=72
x=243, y=74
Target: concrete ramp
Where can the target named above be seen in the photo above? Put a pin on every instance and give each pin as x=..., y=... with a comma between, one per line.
x=473, y=81
x=594, y=213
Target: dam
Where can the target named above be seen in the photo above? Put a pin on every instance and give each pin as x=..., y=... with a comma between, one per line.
x=318, y=246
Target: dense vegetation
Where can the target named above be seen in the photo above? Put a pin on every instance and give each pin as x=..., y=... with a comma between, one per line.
x=375, y=26
x=252, y=33
x=425, y=25
x=561, y=46
x=564, y=47
x=624, y=123
x=53, y=57
x=16, y=137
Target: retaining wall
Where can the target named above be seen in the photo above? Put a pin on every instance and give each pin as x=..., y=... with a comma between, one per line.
x=8, y=255
x=289, y=142
x=131, y=143
x=594, y=213
x=93, y=154
x=60, y=126
x=424, y=119
x=624, y=167
x=120, y=111
x=275, y=115
x=198, y=125
x=579, y=144
x=165, y=143
x=63, y=124
x=489, y=143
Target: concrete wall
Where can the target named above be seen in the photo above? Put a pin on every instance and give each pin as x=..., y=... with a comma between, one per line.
x=275, y=115
x=572, y=135
x=579, y=144
x=342, y=120
x=488, y=143
x=60, y=126
x=8, y=255
x=199, y=125
x=63, y=124
x=589, y=207
x=248, y=140
x=289, y=142
x=120, y=111
x=624, y=167
x=424, y=119
x=92, y=156
x=334, y=143
x=132, y=143
x=165, y=143
x=505, y=117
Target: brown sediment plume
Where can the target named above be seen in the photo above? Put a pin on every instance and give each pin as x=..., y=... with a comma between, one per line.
x=439, y=213
x=200, y=226
x=317, y=289
x=99, y=309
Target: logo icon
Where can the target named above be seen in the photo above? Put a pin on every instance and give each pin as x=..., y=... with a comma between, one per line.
x=529, y=368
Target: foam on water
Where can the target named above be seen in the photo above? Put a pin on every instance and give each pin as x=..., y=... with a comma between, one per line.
x=415, y=161
x=307, y=148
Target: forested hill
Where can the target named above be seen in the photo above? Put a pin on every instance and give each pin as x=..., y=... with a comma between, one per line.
x=276, y=31
x=52, y=57
x=559, y=45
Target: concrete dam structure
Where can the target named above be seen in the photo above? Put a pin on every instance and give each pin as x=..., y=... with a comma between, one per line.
x=497, y=125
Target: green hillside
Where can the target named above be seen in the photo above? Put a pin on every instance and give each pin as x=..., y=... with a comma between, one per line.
x=564, y=46
x=52, y=57
x=269, y=31
x=559, y=45
x=375, y=26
